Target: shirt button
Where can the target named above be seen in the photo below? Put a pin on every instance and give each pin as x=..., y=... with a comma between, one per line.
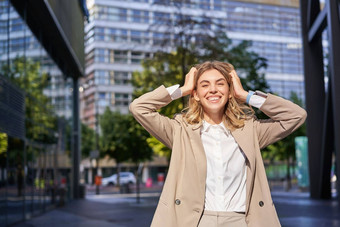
x=177, y=202
x=261, y=203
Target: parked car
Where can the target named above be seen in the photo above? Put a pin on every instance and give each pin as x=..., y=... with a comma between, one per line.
x=125, y=178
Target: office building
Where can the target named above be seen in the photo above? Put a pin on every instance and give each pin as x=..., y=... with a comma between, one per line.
x=118, y=37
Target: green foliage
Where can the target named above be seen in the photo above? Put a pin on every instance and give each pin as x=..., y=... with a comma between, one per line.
x=159, y=148
x=247, y=63
x=3, y=143
x=88, y=140
x=285, y=149
x=123, y=139
x=163, y=69
x=3, y=149
x=137, y=142
x=40, y=122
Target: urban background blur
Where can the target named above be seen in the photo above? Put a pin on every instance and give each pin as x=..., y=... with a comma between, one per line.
x=131, y=47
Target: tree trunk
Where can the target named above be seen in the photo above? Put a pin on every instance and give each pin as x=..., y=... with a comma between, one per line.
x=118, y=175
x=288, y=177
x=138, y=185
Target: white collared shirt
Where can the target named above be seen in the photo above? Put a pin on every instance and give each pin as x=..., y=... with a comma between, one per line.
x=226, y=170
x=226, y=163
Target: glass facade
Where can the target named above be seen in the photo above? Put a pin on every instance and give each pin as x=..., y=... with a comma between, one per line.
x=21, y=42
x=35, y=167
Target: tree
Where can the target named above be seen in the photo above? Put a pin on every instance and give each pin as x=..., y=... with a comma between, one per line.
x=163, y=69
x=248, y=63
x=88, y=140
x=138, y=147
x=123, y=139
x=137, y=141
x=185, y=34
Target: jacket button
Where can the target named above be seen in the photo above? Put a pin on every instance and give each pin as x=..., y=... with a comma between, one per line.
x=177, y=201
x=261, y=203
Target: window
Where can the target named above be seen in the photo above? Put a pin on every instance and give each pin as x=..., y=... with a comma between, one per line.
x=100, y=77
x=99, y=34
x=136, y=57
x=136, y=15
x=204, y=4
x=121, y=99
x=160, y=38
x=109, y=13
x=102, y=99
x=100, y=55
x=3, y=46
x=118, y=77
x=119, y=56
x=139, y=37
x=17, y=25
x=140, y=16
x=118, y=35
x=3, y=26
x=218, y=4
x=161, y=18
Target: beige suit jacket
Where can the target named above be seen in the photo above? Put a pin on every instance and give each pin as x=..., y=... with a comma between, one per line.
x=182, y=200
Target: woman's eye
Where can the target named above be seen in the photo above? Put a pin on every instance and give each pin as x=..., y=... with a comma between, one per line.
x=221, y=84
x=204, y=85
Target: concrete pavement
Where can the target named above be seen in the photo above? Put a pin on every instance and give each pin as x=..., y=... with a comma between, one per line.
x=294, y=210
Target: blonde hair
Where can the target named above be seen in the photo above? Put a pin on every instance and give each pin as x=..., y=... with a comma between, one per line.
x=235, y=111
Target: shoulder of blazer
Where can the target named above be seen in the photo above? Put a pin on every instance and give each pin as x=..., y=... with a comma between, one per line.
x=179, y=117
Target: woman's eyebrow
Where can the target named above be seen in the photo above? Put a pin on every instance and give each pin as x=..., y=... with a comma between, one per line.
x=220, y=79
x=204, y=81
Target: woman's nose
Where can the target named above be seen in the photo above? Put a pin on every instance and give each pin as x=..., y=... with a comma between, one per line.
x=212, y=89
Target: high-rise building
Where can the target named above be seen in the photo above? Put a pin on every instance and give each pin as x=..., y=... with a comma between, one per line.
x=118, y=37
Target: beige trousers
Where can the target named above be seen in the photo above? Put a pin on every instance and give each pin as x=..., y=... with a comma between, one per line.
x=222, y=219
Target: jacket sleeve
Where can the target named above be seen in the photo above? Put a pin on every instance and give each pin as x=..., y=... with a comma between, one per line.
x=144, y=109
x=285, y=118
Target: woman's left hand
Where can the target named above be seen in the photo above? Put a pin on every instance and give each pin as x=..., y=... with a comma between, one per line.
x=239, y=92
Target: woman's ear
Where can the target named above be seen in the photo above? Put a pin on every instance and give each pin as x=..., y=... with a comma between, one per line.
x=194, y=92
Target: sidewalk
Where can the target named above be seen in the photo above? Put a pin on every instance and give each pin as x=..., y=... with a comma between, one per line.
x=295, y=209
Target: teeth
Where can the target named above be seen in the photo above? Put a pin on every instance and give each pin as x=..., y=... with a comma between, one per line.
x=213, y=98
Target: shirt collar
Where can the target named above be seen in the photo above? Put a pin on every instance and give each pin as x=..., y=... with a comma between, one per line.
x=206, y=127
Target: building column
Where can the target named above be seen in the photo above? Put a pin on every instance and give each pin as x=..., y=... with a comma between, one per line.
x=315, y=92
x=75, y=141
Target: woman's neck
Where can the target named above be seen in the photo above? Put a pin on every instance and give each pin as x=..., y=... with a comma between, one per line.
x=213, y=119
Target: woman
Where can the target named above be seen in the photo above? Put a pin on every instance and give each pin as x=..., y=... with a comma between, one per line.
x=216, y=175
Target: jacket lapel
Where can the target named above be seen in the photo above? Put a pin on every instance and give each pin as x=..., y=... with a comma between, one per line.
x=244, y=138
x=199, y=154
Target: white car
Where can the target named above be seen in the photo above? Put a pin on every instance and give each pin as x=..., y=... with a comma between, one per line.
x=125, y=178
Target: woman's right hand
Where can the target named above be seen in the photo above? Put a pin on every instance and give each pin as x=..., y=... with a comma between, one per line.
x=189, y=83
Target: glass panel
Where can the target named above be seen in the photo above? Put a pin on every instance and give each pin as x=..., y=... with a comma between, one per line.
x=29, y=188
x=15, y=180
x=3, y=173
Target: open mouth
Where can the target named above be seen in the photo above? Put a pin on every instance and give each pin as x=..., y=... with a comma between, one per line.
x=214, y=99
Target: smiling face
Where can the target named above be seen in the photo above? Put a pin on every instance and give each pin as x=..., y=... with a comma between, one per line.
x=212, y=91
